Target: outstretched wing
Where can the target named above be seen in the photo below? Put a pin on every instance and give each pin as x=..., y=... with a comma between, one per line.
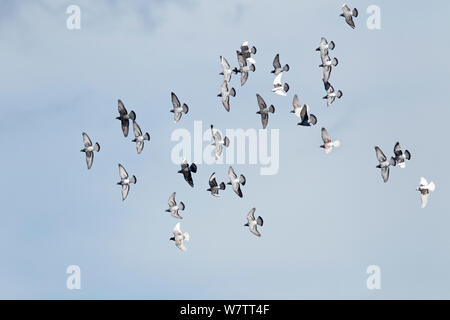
x=380, y=155
x=86, y=140
x=251, y=215
x=121, y=108
x=172, y=201
x=122, y=172
x=276, y=61
x=136, y=129
x=325, y=137
x=176, y=103
x=261, y=102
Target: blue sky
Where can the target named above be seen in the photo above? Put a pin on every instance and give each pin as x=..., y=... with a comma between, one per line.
x=327, y=218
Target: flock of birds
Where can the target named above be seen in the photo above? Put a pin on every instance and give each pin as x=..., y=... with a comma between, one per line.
x=246, y=62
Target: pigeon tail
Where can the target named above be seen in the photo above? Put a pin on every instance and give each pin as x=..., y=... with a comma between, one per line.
x=132, y=115
x=146, y=136
x=286, y=87
x=181, y=205
x=133, y=179
x=431, y=186
x=193, y=167
x=222, y=186
x=185, y=108
x=286, y=68
x=242, y=180
x=272, y=108
x=97, y=147
x=232, y=92
x=186, y=236
x=355, y=12
x=226, y=141
x=260, y=221
x=331, y=45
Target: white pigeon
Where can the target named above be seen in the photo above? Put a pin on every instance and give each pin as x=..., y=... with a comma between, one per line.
x=278, y=87
x=89, y=149
x=298, y=106
x=253, y=223
x=236, y=181
x=226, y=69
x=125, y=181
x=180, y=237
x=328, y=144
x=174, y=207
x=424, y=189
x=139, y=137
x=219, y=142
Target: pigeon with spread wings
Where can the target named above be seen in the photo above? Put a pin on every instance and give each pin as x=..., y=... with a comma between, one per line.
x=243, y=68
x=218, y=141
x=89, y=149
x=277, y=68
x=125, y=181
x=425, y=188
x=236, y=181
x=139, y=137
x=278, y=87
x=225, y=94
x=180, y=237
x=383, y=164
x=178, y=109
x=328, y=144
x=400, y=157
x=187, y=170
x=264, y=110
x=348, y=14
x=213, y=186
x=125, y=117
x=253, y=223
x=306, y=119
x=174, y=207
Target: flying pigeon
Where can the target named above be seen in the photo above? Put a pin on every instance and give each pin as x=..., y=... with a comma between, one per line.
x=213, y=186
x=226, y=69
x=278, y=87
x=253, y=223
x=277, y=69
x=225, y=94
x=178, y=109
x=174, y=207
x=246, y=52
x=306, y=120
x=125, y=181
x=297, y=106
x=424, y=189
x=328, y=144
x=400, y=157
x=89, y=149
x=179, y=237
x=349, y=14
x=125, y=117
x=243, y=68
x=383, y=164
x=186, y=171
x=139, y=137
x=263, y=110
x=218, y=142
x=331, y=95
x=324, y=46
x=236, y=182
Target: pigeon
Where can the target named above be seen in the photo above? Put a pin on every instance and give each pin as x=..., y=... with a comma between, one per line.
x=177, y=108
x=331, y=95
x=424, y=189
x=297, y=106
x=89, y=149
x=263, y=110
x=236, y=182
x=139, y=137
x=306, y=120
x=213, y=186
x=243, y=68
x=383, y=164
x=278, y=87
x=226, y=69
x=246, y=52
x=179, y=237
x=328, y=144
x=174, y=207
x=253, y=223
x=225, y=94
x=218, y=142
x=324, y=46
x=400, y=156
x=125, y=117
x=349, y=14
x=186, y=171
x=125, y=181
x=277, y=69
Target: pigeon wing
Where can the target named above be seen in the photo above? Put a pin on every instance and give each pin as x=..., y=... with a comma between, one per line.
x=385, y=173
x=175, y=102
x=125, y=190
x=276, y=61
x=89, y=159
x=122, y=172
x=231, y=174
x=296, y=102
x=251, y=215
x=380, y=155
x=261, y=102
x=171, y=200
x=277, y=80
x=121, y=108
x=86, y=140
x=325, y=137
x=212, y=180
x=397, y=149
x=136, y=129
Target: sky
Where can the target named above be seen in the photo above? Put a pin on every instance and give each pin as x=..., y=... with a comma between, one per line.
x=326, y=217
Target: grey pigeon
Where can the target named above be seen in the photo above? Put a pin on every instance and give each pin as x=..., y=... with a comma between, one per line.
x=178, y=109
x=236, y=182
x=383, y=164
x=324, y=46
x=186, y=171
x=253, y=223
x=243, y=68
x=125, y=181
x=225, y=94
x=348, y=15
x=125, y=117
x=277, y=68
x=180, y=237
x=89, y=149
x=400, y=157
x=213, y=186
x=263, y=110
x=139, y=137
x=298, y=106
x=219, y=142
x=306, y=119
x=174, y=207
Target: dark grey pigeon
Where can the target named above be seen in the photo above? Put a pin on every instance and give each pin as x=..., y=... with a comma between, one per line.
x=243, y=68
x=400, y=157
x=178, y=109
x=225, y=94
x=348, y=15
x=306, y=119
x=264, y=111
x=125, y=181
x=277, y=69
x=213, y=186
x=139, y=137
x=253, y=223
x=186, y=171
x=236, y=182
x=383, y=164
x=125, y=117
x=89, y=149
